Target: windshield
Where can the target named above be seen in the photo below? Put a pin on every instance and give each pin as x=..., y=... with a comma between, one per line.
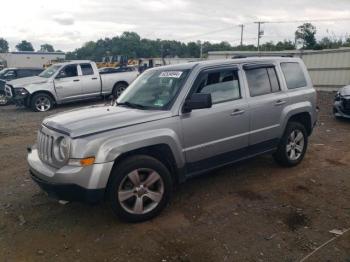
x=50, y=71
x=154, y=89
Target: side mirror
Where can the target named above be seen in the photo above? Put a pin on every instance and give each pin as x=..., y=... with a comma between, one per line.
x=61, y=74
x=197, y=101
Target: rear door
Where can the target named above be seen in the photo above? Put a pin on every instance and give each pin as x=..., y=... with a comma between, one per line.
x=67, y=83
x=90, y=80
x=266, y=102
x=216, y=135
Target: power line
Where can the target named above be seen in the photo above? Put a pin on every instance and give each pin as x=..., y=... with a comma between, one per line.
x=207, y=33
x=308, y=20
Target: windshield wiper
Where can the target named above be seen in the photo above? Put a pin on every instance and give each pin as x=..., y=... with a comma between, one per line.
x=132, y=105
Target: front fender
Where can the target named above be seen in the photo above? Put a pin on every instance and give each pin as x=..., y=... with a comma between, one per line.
x=112, y=148
x=42, y=87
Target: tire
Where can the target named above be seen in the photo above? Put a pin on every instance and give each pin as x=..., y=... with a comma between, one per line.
x=129, y=193
x=41, y=102
x=284, y=154
x=118, y=89
x=3, y=100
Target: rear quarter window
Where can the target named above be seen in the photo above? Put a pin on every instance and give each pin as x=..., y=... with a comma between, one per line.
x=293, y=75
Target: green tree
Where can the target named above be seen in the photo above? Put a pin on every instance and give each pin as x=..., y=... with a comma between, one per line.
x=47, y=48
x=4, y=45
x=24, y=46
x=306, y=35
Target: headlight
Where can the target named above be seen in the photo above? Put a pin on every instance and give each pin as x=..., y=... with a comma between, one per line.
x=61, y=149
x=337, y=96
x=21, y=91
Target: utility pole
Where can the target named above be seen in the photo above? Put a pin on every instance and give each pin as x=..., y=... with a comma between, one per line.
x=242, y=28
x=201, y=52
x=260, y=33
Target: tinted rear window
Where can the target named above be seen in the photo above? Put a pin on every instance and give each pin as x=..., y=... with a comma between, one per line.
x=294, y=75
x=262, y=81
x=86, y=69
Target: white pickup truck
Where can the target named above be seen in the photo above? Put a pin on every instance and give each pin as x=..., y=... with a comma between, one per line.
x=67, y=82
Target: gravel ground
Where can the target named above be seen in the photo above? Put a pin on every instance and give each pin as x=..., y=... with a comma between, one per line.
x=251, y=211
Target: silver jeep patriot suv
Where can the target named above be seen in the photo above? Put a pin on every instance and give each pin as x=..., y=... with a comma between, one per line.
x=173, y=123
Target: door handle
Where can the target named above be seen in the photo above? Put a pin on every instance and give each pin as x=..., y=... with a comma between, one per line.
x=237, y=112
x=280, y=102
x=94, y=78
x=76, y=80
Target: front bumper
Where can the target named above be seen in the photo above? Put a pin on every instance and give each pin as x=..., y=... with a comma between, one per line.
x=339, y=111
x=11, y=96
x=69, y=192
x=71, y=183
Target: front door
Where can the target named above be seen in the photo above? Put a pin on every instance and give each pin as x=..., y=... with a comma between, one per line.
x=216, y=135
x=67, y=83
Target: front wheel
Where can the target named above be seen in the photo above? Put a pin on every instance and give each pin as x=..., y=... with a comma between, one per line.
x=3, y=100
x=41, y=102
x=118, y=89
x=139, y=189
x=293, y=144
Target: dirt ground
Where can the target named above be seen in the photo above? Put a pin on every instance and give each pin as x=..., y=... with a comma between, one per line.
x=252, y=211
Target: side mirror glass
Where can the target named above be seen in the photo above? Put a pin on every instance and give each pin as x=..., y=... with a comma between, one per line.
x=197, y=101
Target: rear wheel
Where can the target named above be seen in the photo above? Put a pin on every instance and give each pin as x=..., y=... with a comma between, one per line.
x=139, y=188
x=41, y=102
x=118, y=89
x=293, y=144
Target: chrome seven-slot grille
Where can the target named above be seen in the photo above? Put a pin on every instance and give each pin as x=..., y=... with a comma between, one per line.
x=45, y=147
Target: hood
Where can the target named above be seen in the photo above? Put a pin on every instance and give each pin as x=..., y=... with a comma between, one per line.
x=21, y=82
x=345, y=91
x=96, y=119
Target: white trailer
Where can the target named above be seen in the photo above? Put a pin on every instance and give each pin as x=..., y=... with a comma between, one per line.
x=30, y=59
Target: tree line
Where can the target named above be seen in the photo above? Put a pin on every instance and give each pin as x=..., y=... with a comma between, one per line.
x=24, y=45
x=133, y=46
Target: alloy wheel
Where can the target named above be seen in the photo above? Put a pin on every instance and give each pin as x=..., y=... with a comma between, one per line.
x=295, y=145
x=42, y=104
x=141, y=191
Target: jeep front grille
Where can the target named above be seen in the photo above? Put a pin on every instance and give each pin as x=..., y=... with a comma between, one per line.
x=45, y=147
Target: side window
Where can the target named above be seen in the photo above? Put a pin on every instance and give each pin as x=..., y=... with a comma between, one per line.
x=86, y=69
x=26, y=72
x=275, y=85
x=222, y=85
x=262, y=81
x=294, y=75
x=11, y=74
x=69, y=71
x=22, y=73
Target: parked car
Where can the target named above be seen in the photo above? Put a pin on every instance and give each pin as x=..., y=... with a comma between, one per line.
x=9, y=74
x=67, y=82
x=341, y=107
x=174, y=123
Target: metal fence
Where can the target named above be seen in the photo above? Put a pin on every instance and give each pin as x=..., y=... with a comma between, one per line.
x=329, y=69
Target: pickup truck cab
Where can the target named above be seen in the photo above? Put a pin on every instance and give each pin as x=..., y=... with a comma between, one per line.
x=67, y=82
x=171, y=124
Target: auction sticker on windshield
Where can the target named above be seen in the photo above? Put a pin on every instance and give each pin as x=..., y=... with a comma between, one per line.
x=172, y=74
